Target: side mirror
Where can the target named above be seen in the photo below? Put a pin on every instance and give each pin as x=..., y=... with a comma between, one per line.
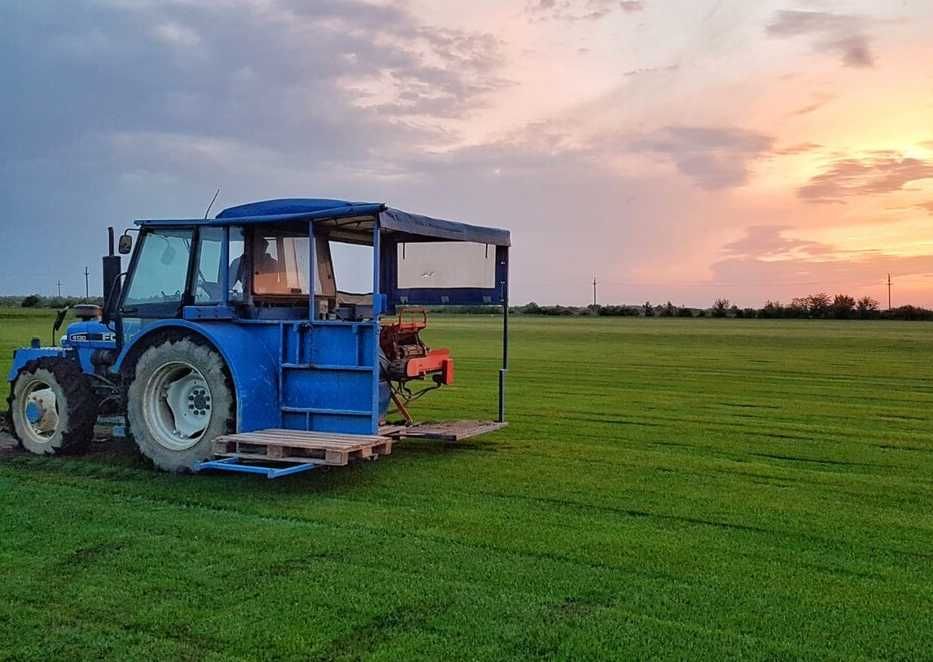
x=125, y=247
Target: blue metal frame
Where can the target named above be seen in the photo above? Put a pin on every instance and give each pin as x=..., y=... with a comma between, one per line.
x=233, y=464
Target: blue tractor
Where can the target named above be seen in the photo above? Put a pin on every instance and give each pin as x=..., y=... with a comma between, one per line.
x=237, y=325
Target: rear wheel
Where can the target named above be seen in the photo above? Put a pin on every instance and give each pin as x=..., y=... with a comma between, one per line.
x=53, y=408
x=179, y=401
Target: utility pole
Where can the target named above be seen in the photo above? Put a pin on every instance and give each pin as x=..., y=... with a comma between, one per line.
x=87, y=290
x=889, y=291
x=59, y=288
x=594, y=291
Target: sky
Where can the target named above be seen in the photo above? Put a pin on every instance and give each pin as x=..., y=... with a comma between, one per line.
x=680, y=150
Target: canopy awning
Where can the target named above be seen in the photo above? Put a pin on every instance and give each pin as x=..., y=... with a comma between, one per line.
x=413, y=226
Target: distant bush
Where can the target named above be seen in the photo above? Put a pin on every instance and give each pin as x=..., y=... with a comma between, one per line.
x=31, y=301
x=843, y=306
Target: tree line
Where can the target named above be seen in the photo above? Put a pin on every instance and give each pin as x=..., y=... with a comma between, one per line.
x=38, y=301
x=814, y=306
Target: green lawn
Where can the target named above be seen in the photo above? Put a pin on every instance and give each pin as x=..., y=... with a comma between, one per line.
x=666, y=489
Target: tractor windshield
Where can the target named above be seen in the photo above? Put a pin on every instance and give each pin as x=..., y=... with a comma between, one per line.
x=158, y=280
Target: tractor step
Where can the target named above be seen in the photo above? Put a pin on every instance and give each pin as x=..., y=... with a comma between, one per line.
x=299, y=447
x=446, y=431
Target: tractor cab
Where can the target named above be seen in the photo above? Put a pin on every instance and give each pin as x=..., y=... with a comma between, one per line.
x=297, y=316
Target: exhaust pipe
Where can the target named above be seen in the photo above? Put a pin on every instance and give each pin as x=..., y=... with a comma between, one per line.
x=112, y=266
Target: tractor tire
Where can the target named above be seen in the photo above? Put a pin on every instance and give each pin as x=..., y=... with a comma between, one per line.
x=180, y=399
x=52, y=407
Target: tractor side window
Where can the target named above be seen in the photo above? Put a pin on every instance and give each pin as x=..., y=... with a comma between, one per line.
x=208, y=280
x=238, y=266
x=161, y=270
x=280, y=264
x=353, y=267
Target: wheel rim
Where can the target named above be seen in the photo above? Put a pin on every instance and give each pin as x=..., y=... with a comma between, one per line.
x=39, y=412
x=177, y=405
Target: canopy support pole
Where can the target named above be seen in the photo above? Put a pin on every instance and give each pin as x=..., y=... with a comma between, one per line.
x=505, y=336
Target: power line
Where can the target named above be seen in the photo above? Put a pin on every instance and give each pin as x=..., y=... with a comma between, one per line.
x=59, y=288
x=87, y=290
x=594, y=291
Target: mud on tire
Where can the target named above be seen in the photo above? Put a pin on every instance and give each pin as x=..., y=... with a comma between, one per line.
x=180, y=399
x=52, y=407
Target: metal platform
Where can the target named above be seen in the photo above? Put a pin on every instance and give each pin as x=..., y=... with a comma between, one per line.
x=444, y=431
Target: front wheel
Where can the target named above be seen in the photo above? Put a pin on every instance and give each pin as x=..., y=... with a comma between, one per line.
x=179, y=401
x=53, y=407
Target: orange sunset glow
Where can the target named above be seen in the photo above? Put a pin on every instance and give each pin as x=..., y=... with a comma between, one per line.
x=681, y=150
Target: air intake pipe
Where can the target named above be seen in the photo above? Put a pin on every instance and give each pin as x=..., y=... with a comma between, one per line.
x=112, y=267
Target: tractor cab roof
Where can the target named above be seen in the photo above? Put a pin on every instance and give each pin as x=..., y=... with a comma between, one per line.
x=355, y=216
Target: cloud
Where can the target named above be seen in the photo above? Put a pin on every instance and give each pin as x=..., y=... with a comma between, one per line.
x=926, y=206
x=801, y=148
x=580, y=10
x=713, y=157
x=843, y=35
x=768, y=241
x=651, y=70
x=336, y=81
x=819, y=101
x=176, y=34
x=787, y=267
x=883, y=172
x=138, y=107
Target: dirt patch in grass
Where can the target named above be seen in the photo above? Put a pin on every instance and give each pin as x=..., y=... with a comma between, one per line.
x=7, y=442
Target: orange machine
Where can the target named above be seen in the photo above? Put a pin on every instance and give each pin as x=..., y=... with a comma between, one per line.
x=406, y=358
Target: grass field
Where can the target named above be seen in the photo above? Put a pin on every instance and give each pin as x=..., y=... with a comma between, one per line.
x=666, y=489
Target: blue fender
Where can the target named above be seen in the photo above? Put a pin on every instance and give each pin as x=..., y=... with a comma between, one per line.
x=247, y=351
x=24, y=355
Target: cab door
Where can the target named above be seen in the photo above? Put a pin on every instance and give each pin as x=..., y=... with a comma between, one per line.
x=158, y=279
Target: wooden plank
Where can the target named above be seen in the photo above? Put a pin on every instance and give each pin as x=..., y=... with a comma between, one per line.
x=298, y=446
x=444, y=431
x=285, y=440
x=336, y=457
x=313, y=433
x=296, y=435
x=275, y=451
x=262, y=440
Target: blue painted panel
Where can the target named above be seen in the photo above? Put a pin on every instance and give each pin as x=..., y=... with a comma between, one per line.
x=329, y=423
x=86, y=338
x=328, y=379
x=345, y=343
x=327, y=389
x=195, y=313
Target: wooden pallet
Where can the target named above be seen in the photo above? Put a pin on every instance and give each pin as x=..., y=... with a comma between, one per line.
x=296, y=446
x=445, y=431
